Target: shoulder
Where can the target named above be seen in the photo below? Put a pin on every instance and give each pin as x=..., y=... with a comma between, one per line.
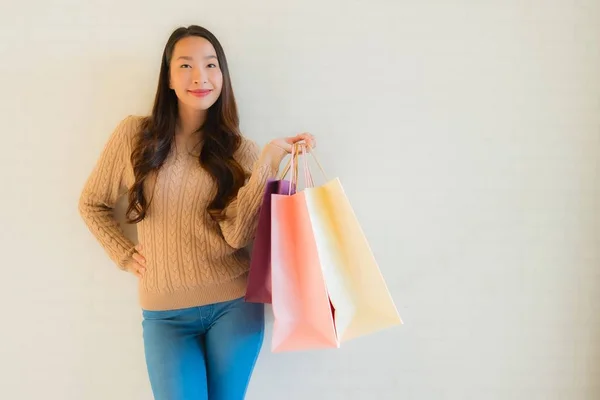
x=126, y=131
x=129, y=126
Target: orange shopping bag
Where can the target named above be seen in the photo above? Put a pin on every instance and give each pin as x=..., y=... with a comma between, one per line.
x=303, y=317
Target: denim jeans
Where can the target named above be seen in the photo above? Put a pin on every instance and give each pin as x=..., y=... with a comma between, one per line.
x=203, y=353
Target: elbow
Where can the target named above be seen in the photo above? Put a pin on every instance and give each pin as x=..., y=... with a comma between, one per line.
x=82, y=204
x=85, y=206
x=237, y=243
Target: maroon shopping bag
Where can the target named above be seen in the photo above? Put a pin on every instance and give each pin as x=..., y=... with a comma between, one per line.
x=259, y=276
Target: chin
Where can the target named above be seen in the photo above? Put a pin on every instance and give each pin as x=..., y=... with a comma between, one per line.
x=199, y=104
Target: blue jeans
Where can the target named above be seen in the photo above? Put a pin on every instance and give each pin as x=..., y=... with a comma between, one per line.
x=202, y=353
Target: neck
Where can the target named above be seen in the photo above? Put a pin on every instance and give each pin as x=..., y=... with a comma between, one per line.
x=189, y=121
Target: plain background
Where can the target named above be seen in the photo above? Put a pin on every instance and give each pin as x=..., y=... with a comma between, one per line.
x=466, y=134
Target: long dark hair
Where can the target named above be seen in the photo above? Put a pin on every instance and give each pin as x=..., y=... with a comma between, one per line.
x=221, y=135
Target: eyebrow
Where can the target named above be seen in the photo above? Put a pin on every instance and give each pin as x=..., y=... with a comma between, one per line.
x=191, y=58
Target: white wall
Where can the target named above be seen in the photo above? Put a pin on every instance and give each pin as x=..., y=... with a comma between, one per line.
x=475, y=128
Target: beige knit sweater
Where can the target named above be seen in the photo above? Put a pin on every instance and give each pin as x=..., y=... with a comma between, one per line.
x=191, y=260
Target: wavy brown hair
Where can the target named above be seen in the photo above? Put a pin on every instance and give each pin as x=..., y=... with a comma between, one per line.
x=220, y=132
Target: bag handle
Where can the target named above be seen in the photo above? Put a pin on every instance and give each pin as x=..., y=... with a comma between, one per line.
x=300, y=148
x=296, y=149
x=311, y=151
x=307, y=174
x=306, y=148
x=285, y=170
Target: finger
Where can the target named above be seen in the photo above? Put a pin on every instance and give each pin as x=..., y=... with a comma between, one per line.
x=137, y=269
x=132, y=269
x=309, y=139
x=307, y=136
x=139, y=259
x=312, y=141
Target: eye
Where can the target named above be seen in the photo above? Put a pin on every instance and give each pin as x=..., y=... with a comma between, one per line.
x=212, y=66
x=185, y=66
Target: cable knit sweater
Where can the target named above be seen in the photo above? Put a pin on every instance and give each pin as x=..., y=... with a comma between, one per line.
x=191, y=260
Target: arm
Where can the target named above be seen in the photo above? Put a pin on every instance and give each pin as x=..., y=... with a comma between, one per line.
x=103, y=188
x=241, y=215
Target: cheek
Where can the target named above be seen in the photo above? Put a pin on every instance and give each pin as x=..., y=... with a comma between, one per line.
x=217, y=79
x=178, y=79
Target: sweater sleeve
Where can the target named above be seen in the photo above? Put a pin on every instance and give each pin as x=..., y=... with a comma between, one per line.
x=241, y=215
x=103, y=188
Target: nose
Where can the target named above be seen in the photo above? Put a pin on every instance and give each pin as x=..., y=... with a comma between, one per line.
x=199, y=76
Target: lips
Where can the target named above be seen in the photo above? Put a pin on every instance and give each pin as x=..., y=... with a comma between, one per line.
x=200, y=92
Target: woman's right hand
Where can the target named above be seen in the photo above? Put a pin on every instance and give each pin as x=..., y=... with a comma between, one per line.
x=137, y=263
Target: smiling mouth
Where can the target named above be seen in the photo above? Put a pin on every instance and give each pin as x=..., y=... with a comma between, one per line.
x=200, y=92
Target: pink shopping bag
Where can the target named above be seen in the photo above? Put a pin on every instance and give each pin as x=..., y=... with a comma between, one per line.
x=303, y=317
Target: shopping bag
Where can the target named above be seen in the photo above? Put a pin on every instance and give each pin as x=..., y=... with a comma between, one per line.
x=356, y=287
x=303, y=317
x=259, y=276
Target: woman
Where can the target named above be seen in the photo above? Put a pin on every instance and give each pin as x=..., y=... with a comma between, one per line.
x=194, y=186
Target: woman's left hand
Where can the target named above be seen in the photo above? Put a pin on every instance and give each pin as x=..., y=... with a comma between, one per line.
x=287, y=143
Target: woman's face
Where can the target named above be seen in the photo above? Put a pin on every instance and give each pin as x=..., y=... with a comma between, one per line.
x=195, y=74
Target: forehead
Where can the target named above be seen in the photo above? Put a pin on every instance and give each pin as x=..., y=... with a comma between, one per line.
x=193, y=46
